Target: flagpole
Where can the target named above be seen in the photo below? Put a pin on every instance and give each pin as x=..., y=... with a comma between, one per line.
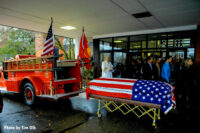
x=83, y=55
x=54, y=59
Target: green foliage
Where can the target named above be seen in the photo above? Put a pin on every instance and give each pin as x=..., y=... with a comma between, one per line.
x=17, y=41
x=60, y=46
x=68, y=54
x=71, y=50
x=88, y=74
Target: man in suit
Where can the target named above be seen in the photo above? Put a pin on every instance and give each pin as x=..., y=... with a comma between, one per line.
x=148, y=69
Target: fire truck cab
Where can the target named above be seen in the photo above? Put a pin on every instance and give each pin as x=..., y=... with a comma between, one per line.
x=45, y=77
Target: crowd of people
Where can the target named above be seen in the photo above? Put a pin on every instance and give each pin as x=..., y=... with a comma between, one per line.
x=153, y=68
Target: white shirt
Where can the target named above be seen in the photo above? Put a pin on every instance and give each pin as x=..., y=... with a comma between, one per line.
x=107, y=73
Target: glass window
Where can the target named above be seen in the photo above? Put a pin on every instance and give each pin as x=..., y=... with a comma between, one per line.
x=170, y=43
x=185, y=42
x=119, y=57
x=135, y=45
x=120, y=46
x=144, y=44
x=120, y=43
x=190, y=53
x=103, y=56
x=180, y=43
x=152, y=44
x=179, y=54
x=177, y=43
x=164, y=54
x=161, y=43
x=105, y=45
x=137, y=41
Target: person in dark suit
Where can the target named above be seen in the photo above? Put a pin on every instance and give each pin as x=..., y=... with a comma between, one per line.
x=148, y=69
x=187, y=90
x=156, y=69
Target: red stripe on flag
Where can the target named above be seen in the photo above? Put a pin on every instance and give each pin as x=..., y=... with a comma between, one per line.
x=50, y=41
x=48, y=53
x=48, y=47
x=111, y=85
x=109, y=94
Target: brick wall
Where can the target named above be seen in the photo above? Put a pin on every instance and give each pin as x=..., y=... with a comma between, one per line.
x=39, y=42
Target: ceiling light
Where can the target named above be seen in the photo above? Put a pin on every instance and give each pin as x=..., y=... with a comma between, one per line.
x=118, y=41
x=68, y=27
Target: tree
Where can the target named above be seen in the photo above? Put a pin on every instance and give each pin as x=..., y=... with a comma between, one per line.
x=16, y=41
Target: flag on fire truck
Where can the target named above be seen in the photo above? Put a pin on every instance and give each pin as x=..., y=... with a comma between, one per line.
x=49, y=47
x=84, y=51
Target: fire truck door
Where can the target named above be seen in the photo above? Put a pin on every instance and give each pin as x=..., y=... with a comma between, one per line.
x=12, y=86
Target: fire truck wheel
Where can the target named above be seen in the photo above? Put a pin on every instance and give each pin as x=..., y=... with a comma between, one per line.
x=29, y=94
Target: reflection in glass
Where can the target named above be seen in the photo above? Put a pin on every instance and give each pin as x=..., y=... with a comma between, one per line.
x=103, y=56
x=120, y=43
x=119, y=57
x=105, y=46
x=152, y=44
x=161, y=43
x=120, y=46
x=135, y=45
x=170, y=43
x=190, y=53
x=144, y=44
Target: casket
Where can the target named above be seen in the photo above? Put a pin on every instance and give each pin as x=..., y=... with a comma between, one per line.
x=141, y=93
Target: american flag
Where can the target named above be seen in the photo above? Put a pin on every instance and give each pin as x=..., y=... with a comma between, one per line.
x=155, y=92
x=49, y=43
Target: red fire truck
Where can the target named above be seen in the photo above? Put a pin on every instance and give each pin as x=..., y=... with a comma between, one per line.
x=45, y=77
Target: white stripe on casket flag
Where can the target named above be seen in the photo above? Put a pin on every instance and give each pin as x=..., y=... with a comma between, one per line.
x=114, y=90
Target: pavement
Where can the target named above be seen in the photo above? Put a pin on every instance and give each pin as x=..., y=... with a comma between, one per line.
x=78, y=115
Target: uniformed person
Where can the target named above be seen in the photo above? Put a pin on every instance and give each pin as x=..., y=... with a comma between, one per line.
x=107, y=68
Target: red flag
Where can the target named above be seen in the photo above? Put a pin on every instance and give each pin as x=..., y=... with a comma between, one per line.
x=85, y=51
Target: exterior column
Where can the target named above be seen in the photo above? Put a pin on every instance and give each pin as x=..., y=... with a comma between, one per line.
x=76, y=43
x=39, y=43
x=96, y=58
x=197, y=48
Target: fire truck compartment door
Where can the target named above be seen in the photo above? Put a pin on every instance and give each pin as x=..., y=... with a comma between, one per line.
x=12, y=85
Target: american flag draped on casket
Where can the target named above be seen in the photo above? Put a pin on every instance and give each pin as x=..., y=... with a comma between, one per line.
x=148, y=91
